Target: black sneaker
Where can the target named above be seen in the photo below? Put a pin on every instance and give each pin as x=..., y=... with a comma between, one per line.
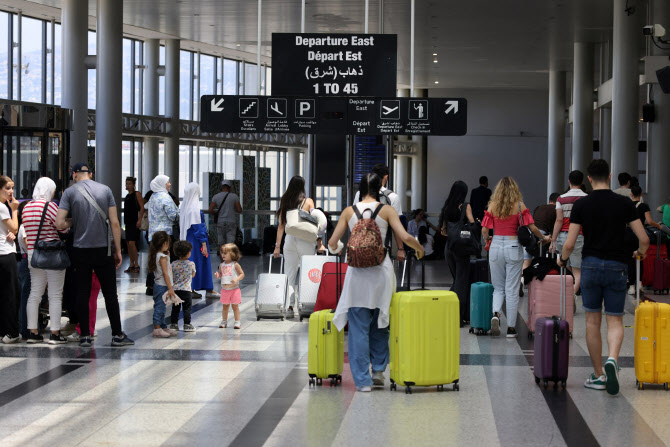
x=57, y=339
x=511, y=332
x=35, y=338
x=122, y=340
x=85, y=342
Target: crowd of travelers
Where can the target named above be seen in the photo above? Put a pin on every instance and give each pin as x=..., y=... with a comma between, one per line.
x=595, y=232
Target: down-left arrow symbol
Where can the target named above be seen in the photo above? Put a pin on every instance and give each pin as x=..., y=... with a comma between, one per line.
x=216, y=106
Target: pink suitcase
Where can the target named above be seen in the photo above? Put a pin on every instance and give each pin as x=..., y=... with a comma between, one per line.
x=544, y=299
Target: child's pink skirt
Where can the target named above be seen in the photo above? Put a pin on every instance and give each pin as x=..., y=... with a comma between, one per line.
x=233, y=296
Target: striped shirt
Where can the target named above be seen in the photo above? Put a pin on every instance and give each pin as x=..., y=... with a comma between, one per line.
x=32, y=215
x=565, y=203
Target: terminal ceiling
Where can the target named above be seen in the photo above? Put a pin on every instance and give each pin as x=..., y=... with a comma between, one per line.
x=479, y=43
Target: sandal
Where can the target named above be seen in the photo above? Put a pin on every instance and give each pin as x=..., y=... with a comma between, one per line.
x=129, y=270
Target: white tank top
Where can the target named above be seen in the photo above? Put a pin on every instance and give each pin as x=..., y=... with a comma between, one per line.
x=383, y=225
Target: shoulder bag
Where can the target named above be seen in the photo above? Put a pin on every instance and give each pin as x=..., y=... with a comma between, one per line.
x=526, y=237
x=218, y=210
x=49, y=255
x=463, y=238
x=301, y=224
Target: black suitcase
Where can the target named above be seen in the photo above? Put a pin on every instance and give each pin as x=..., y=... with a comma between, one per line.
x=479, y=270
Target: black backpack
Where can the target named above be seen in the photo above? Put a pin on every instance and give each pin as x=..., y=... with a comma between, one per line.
x=463, y=238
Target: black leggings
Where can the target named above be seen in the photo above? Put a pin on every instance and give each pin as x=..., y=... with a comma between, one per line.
x=186, y=296
x=9, y=296
x=459, y=266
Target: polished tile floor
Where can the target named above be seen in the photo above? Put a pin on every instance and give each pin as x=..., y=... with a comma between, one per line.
x=249, y=387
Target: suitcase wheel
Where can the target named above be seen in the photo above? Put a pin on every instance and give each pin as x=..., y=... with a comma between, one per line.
x=282, y=318
x=564, y=384
x=440, y=388
x=408, y=389
x=339, y=379
x=537, y=380
x=570, y=334
x=665, y=386
x=312, y=382
x=319, y=382
x=301, y=319
x=640, y=386
x=472, y=330
x=530, y=336
x=456, y=387
x=258, y=318
x=546, y=384
x=393, y=386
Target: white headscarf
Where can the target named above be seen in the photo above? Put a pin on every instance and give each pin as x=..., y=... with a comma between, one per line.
x=44, y=189
x=159, y=182
x=189, y=210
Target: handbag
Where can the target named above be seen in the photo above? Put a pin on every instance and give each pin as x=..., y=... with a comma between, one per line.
x=523, y=232
x=463, y=238
x=301, y=224
x=49, y=255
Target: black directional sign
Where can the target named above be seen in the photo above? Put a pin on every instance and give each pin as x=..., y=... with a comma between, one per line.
x=334, y=115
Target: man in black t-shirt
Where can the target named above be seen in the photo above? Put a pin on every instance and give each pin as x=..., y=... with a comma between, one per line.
x=603, y=216
x=479, y=198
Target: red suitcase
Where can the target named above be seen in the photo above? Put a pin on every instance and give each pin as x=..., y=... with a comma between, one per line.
x=544, y=300
x=652, y=254
x=330, y=289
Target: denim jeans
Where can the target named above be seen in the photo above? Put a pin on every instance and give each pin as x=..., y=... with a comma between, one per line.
x=368, y=344
x=506, y=262
x=24, y=284
x=604, y=280
x=159, y=305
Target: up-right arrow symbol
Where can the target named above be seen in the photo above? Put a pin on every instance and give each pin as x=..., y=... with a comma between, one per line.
x=453, y=106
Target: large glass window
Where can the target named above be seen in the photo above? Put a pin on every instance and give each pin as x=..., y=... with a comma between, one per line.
x=15, y=57
x=250, y=77
x=184, y=85
x=127, y=73
x=268, y=81
x=206, y=78
x=139, y=76
x=184, y=167
x=58, y=62
x=229, y=77
x=31, y=63
x=91, y=73
x=4, y=55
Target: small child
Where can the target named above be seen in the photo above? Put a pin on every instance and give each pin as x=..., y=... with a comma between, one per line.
x=159, y=265
x=183, y=272
x=230, y=274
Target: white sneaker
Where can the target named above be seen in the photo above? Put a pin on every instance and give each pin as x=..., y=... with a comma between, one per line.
x=172, y=332
x=73, y=337
x=10, y=340
x=223, y=324
x=378, y=378
x=238, y=325
x=160, y=333
x=495, y=326
x=364, y=389
x=631, y=290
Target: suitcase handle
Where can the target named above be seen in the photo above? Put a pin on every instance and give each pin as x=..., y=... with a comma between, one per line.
x=409, y=274
x=281, y=266
x=327, y=329
x=637, y=279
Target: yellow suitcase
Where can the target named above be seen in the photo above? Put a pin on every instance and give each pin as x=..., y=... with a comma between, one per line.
x=652, y=344
x=424, y=339
x=325, y=358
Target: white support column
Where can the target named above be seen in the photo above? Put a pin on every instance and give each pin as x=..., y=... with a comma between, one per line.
x=556, y=156
x=582, y=106
x=172, y=112
x=605, y=128
x=625, y=89
x=401, y=180
x=658, y=153
x=150, y=168
x=292, y=163
x=74, y=80
x=108, y=100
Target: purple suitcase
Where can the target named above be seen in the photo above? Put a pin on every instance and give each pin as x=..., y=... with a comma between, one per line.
x=552, y=347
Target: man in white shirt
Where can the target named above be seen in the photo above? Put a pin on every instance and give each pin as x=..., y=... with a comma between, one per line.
x=387, y=197
x=624, y=185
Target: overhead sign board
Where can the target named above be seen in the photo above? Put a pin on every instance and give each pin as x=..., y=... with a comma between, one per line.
x=334, y=64
x=334, y=115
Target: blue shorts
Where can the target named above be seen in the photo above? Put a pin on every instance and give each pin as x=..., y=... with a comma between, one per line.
x=604, y=280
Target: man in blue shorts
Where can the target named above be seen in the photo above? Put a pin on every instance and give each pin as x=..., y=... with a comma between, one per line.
x=602, y=216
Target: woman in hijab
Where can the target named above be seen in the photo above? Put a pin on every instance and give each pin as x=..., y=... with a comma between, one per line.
x=163, y=214
x=193, y=229
x=40, y=278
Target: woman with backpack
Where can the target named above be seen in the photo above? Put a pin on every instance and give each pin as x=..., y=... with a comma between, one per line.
x=455, y=211
x=294, y=247
x=369, y=282
x=506, y=213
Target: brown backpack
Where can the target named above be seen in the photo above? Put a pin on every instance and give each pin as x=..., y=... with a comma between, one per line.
x=366, y=247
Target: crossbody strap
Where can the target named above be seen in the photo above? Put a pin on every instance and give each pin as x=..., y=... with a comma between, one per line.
x=95, y=205
x=44, y=213
x=222, y=202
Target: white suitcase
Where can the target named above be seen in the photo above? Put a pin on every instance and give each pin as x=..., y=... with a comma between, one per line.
x=271, y=293
x=308, y=284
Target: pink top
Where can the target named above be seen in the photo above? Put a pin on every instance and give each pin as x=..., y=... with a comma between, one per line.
x=507, y=226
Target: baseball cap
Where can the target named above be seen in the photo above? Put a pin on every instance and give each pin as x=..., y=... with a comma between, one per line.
x=80, y=167
x=226, y=183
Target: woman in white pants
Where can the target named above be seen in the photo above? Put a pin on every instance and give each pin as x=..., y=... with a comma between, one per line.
x=40, y=278
x=294, y=248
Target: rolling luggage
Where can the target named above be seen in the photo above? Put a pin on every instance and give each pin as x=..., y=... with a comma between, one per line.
x=479, y=270
x=308, y=283
x=325, y=358
x=652, y=341
x=552, y=345
x=424, y=339
x=330, y=289
x=544, y=301
x=271, y=293
x=661, y=273
x=481, y=307
x=656, y=250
